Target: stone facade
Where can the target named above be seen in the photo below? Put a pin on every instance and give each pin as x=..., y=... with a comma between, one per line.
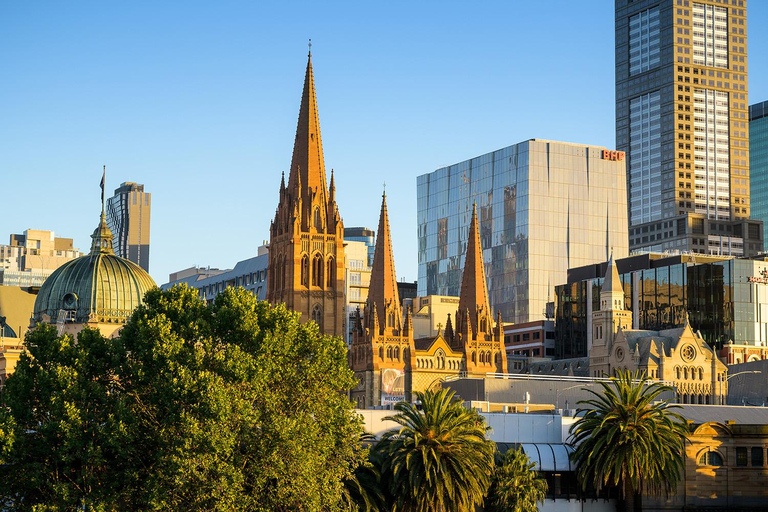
x=306, y=249
x=679, y=356
x=389, y=363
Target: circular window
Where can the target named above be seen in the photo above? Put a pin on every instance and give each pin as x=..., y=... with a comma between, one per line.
x=620, y=354
x=688, y=353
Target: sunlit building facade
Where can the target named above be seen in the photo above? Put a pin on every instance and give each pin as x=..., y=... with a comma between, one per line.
x=681, y=118
x=543, y=207
x=128, y=213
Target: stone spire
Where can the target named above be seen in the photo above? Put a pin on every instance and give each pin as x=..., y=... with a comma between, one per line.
x=474, y=290
x=307, y=173
x=383, y=288
x=612, y=282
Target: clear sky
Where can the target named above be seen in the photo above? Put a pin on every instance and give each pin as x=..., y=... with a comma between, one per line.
x=199, y=101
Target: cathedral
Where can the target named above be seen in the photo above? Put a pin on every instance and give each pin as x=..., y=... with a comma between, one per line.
x=306, y=240
x=389, y=363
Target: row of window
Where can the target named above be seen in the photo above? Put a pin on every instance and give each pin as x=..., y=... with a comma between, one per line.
x=745, y=457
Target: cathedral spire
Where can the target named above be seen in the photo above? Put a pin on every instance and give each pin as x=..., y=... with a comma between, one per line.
x=383, y=288
x=474, y=291
x=307, y=173
x=612, y=282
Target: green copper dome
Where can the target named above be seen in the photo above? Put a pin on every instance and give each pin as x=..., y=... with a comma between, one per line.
x=99, y=287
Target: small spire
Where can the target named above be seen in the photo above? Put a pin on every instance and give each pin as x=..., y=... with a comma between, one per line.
x=102, y=236
x=103, y=182
x=310, y=47
x=384, y=193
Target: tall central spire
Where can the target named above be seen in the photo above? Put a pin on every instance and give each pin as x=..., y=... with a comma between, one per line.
x=307, y=164
x=474, y=291
x=383, y=288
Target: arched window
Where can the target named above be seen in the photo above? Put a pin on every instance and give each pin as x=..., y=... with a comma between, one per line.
x=317, y=316
x=305, y=270
x=329, y=273
x=496, y=358
x=381, y=352
x=317, y=270
x=391, y=319
x=397, y=353
x=710, y=459
x=488, y=357
x=474, y=357
x=318, y=220
x=389, y=352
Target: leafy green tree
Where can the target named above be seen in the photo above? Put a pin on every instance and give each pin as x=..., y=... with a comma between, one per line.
x=439, y=459
x=60, y=425
x=237, y=405
x=363, y=490
x=516, y=485
x=232, y=406
x=630, y=438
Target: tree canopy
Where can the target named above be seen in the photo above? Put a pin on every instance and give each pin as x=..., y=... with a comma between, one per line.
x=439, y=460
x=233, y=405
x=516, y=485
x=630, y=439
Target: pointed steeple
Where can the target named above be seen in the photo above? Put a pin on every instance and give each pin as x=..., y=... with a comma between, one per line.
x=474, y=290
x=307, y=173
x=383, y=288
x=612, y=282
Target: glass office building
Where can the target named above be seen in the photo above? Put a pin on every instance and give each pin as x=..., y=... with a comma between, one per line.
x=726, y=299
x=758, y=162
x=544, y=207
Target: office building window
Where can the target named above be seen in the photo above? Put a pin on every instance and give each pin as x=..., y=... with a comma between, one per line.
x=644, y=41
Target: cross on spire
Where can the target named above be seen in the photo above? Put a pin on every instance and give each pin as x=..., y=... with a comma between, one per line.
x=310, y=46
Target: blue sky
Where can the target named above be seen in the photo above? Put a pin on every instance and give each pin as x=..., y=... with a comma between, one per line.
x=199, y=100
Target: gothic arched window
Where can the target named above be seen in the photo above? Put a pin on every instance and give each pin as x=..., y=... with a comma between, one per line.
x=317, y=270
x=329, y=273
x=318, y=221
x=317, y=316
x=305, y=270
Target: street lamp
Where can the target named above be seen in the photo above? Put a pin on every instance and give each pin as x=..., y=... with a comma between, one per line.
x=557, y=394
x=720, y=382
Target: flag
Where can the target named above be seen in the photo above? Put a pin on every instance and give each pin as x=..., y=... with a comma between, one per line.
x=103, y=177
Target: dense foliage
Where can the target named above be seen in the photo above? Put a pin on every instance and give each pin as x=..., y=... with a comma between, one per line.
x=235, y=405
x=516, y=485
x=629, y=438
x=439, y=459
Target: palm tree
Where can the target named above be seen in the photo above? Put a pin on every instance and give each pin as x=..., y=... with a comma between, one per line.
x=516, y=485
x=439, y=460
x=362, y=490
x=629, y=438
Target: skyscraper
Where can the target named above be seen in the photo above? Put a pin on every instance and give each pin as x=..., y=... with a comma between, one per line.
x=681, y=118
x=758, y=162
x=128, y=218
x=306, y=242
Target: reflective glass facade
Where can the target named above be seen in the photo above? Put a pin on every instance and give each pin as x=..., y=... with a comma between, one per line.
x=544, y=207
x=725, y=299
x=758, y=162
x=644, y=41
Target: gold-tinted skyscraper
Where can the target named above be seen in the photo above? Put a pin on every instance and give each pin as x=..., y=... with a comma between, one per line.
x=681, y=118
x=128, y=213
x=306, y=245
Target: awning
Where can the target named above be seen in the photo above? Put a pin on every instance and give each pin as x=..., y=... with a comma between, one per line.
x=546, y=456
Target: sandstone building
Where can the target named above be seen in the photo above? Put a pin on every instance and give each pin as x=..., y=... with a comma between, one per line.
x=306, y=245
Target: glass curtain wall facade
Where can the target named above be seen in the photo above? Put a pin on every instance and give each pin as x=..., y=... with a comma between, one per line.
x=681, y=90
x=543, y=207
x=725, y=300
x=758, y=162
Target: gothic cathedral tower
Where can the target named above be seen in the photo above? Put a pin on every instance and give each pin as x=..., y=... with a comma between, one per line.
x=607, y=321
x=476, y=336
x=306, y=251
x=382, y=354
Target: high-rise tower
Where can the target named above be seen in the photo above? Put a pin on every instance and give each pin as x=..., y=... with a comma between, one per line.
x=306, y=248
x=128, y=218
x=681, y=118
